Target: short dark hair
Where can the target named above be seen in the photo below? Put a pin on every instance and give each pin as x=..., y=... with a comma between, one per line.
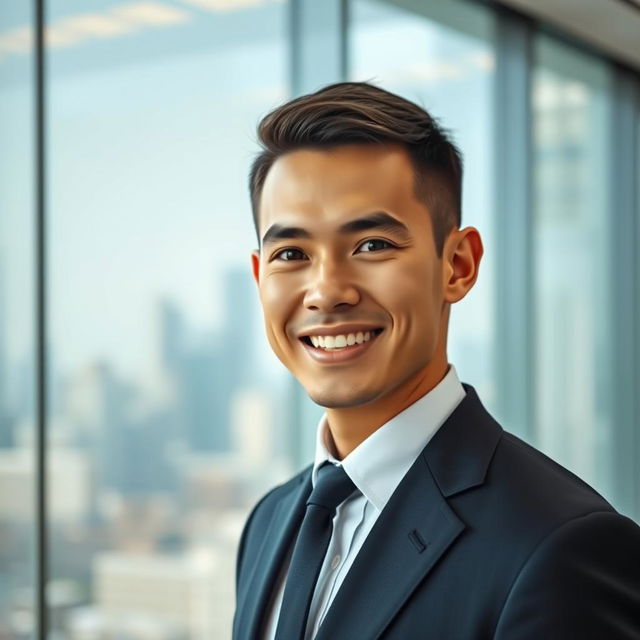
x=359, y=112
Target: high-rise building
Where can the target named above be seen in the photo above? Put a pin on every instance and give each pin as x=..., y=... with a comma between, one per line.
x=209, y=368
x=156, y=597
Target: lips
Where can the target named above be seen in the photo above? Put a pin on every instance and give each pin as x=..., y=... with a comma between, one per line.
x=337, y=356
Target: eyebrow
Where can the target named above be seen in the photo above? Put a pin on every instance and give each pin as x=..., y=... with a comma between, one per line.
x=378, y=220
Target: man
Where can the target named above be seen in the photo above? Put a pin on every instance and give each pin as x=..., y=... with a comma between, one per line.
x=420, y=517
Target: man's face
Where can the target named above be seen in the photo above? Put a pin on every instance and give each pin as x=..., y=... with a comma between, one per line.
x=329, y=266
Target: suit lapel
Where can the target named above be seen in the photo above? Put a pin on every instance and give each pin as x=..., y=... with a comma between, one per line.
x=413, y=531
x=416, y=527
x=277, y=540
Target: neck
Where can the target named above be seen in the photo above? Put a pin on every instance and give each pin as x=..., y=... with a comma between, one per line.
x=352, y=425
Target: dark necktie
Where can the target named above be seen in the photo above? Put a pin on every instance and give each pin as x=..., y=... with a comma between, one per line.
x=333, y=486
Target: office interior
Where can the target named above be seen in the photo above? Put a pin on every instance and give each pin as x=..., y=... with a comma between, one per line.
x=142, y=413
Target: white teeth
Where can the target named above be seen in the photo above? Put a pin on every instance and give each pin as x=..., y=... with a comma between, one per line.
x=341, y=341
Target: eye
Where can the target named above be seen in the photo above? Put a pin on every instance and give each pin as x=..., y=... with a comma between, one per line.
x=289, y=255
x=374, y=245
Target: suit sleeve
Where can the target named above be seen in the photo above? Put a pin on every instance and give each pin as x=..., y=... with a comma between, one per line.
x=243, y=538
x=582, y=581
x=242, y=584
x=241, y=545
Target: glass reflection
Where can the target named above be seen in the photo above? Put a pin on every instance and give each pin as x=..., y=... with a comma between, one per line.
x=573, y=395
x=165, y=423
x=17, y=330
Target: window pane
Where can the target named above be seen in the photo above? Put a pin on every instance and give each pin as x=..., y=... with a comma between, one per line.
x=443, y=53
x=17, y=331
x=571, y=220
x=166, y=420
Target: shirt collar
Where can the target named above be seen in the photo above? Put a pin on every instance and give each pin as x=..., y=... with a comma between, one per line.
x=378, y=464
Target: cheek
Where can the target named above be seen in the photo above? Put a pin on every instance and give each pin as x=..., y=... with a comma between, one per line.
x=278, y=303
x=409, y=294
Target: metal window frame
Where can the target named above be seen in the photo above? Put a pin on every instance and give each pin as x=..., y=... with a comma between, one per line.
x=41, y=543
x=513, y=230
x=624, y=269
x=318, y=36
x=635, y=289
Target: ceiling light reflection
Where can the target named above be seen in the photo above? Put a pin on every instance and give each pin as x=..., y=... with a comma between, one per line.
x=225, y=5
x=17, y=40
x=152, y=13
x=95, y=24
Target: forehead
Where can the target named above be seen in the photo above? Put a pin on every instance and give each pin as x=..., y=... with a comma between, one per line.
x=349, y=178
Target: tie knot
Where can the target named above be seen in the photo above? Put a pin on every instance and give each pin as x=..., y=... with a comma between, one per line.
x=333, y=486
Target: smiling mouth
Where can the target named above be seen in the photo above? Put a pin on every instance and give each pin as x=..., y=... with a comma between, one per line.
x=342, y=343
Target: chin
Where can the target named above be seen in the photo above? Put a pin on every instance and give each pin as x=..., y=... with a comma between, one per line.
x=341, y=399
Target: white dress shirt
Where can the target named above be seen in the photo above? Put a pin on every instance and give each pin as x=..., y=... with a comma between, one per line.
x=376, y=466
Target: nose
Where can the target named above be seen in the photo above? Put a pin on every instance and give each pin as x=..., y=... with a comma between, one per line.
x=330, y=285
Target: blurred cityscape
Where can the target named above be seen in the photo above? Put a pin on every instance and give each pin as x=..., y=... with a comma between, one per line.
x=157, y=450
x=149, y=484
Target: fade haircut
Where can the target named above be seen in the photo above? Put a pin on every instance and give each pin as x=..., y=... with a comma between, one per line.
x=356, y=113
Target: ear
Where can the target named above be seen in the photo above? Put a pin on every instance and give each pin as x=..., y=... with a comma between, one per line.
x=461, y=256
x=255, y=265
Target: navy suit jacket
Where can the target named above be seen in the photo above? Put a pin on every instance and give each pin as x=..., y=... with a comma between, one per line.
x=485, y=537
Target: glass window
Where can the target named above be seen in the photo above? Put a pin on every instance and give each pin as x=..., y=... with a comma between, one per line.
x=165, y=420
x=442, y=56
x=17, y=324
x=571, y=104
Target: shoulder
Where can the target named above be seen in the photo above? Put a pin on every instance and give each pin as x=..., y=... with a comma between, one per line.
x=525, y=497
x=584, y=580
x=264, y=508
x=263, y=511
x=536, y=487
x=570, y=548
